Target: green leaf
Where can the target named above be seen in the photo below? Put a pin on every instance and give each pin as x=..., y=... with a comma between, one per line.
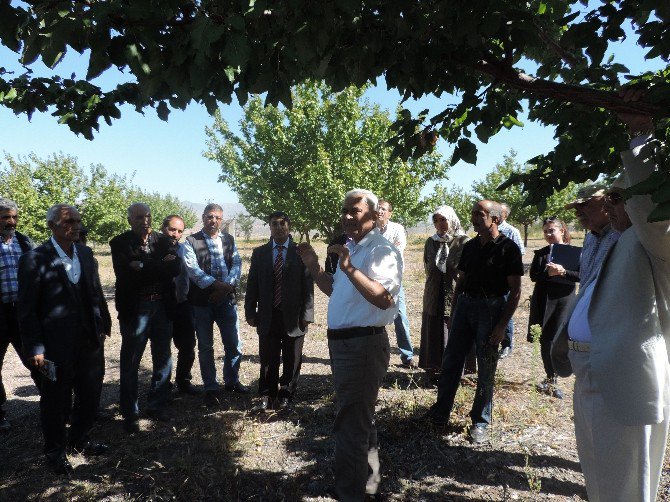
x=660, y=213
x=163, y=111
x=236, y=50
x=662, y=193
x=646, y=186
x=98, y=63
x=467, y=151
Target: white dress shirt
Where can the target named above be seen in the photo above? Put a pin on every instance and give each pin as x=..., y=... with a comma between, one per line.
x=395, y=234
x=381, y=261
x=71, y=265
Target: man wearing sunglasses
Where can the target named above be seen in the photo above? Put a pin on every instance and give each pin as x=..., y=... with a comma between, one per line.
x=617, y=342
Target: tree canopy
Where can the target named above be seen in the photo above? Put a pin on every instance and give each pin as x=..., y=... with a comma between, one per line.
x=304, y=159
x=36, y=184
x=494, y=58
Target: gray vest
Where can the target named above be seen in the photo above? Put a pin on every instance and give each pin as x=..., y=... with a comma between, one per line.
x=196, y=295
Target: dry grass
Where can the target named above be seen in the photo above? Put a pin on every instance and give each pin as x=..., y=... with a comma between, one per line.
x=232, y=455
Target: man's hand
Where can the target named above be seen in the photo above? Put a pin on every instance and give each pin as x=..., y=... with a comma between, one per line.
x=217, y=296
x=554, y=269
x=307, y=255
x=497, y=334
x=344, y=260
x=224, y=287
x=251, y=321
x=169, y=257
x=136, y=265
x=638, y=123
x=36, y=361
x=303, y=324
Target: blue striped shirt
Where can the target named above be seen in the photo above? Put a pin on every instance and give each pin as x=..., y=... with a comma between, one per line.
x=219, y=270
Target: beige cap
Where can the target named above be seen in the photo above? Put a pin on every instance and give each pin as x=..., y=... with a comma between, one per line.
x=585, y=193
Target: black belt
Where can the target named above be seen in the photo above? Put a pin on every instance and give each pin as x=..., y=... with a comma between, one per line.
x=481, y=295
x=344, y=333
x=154, y=297
x=10, y=304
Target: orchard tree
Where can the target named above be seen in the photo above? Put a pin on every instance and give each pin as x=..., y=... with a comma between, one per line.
x=555, y=59
x=513, y=196
x=246, y=223
x=304, y=159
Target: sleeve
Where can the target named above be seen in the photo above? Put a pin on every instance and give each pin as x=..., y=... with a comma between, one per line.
x=428, y=255
x=537, y=272
x=402, y=239
x=104, y=308
x=251, y=296
x=195, y=273
x=156, y=269
x=514, y=262
x=308, y=295
x=30, y=329
x=235, y=272
x=518, y=240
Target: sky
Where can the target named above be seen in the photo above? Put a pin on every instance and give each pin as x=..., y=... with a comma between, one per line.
x=167, y=157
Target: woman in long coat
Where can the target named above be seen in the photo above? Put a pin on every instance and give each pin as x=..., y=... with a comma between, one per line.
x=441, y=254
x=553, y=293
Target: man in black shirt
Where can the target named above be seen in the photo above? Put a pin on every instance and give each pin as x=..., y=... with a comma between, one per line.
x=490, y=268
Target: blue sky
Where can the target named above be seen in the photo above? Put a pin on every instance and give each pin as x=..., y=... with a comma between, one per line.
x=167, y=156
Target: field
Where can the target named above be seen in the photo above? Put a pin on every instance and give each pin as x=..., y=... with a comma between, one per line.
x=230, y=454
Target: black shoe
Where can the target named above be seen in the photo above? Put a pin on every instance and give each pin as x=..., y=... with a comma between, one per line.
x=212, y=399
x=188, y=388
x=283, y=403
x=4, y=425
x=478, y=434
x=158, y=415
x=89, y=449
x=236, y=387
x=410, y=363
x=131, y=425
x=557, y=393
x=504, y=352
x=62, y=467
x=262, y=406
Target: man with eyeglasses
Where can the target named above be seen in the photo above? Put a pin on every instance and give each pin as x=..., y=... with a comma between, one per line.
x=616, y=341
x=214, y=268
x=600, y=236
x=61, y=325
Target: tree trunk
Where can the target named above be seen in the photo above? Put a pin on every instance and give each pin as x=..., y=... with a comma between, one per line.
x=525, y=235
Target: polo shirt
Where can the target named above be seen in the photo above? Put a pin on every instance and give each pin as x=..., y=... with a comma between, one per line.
x=486, y=267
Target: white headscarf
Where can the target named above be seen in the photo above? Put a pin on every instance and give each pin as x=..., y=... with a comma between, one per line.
x=454, y=228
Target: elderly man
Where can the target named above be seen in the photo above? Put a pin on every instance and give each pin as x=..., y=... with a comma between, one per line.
x=214, y=268
x=280, y=304
x=12, y=245
x=183, y=333
x=590, y=211
x=363, y=299
x=511, y=233
x=486, y=295
x=59, y=311
x=395, y=234
x=145, y=263
x=618, y=337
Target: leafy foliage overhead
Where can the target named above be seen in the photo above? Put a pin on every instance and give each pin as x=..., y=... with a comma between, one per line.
x=303, y=160
x=177, y=51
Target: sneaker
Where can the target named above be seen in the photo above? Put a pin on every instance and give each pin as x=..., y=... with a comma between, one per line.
x=557, y=393
x=187, y=388
x=236, y=387
x=504, y=352
x=411, y=364
x=212, y=399
x=478, y=433
x=544, y=386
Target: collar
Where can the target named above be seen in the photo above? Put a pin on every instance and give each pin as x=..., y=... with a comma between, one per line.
x=285, y=243
x=605, y=230
x=13, y=240
x=207, y=236
x=367, y=238
x=62, y=253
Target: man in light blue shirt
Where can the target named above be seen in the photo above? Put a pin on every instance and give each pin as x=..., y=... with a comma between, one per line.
x=214, y=268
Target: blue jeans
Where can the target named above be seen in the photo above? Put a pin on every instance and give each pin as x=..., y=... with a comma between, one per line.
x=508, y=341
x=473, y=321
x=151, y=323
x=401, y=324
x=224, y=314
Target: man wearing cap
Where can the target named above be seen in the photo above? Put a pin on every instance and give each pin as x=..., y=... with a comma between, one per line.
x=600, y=236
x=616, y=343
x=363, y=299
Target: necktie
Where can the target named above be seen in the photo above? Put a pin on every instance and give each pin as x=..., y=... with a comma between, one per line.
x=277, y=269
x=441, y=259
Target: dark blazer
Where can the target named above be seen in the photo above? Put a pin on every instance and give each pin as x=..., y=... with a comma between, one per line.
x=49, y=312
x=297, y=290
x=129, y=282
x=552, y=296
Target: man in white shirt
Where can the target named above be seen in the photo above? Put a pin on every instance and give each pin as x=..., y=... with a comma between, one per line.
x=363, y=299
x=395, y=234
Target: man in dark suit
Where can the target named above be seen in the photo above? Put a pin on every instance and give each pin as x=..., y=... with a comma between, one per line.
x=12, y=245
x=280, y=304
x=61, y=325
x=145, y=263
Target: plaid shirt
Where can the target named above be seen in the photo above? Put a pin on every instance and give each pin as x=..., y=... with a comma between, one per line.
x=512, y=233
x=9, y=267
x=219, y=270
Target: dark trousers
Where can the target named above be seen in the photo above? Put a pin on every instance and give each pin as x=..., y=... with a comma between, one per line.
x=183, y=335
x=473, y=322
x=276, y=346
x=80, y=375
x=9, y=335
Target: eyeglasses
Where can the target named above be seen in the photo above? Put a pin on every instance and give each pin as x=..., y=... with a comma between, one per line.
x=613, y=198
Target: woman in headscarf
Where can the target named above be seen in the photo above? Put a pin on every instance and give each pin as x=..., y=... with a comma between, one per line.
x=440, y=259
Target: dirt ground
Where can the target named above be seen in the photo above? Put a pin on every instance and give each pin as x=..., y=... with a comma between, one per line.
x=230, y=454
